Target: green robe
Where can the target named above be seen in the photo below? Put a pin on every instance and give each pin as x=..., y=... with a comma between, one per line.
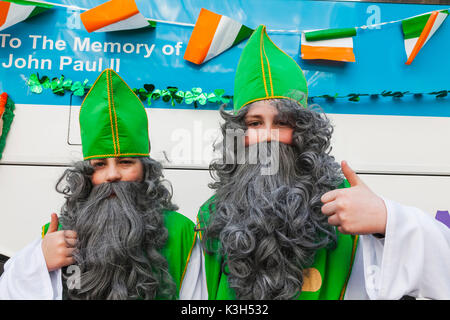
x=325, y=279
x=178, y=247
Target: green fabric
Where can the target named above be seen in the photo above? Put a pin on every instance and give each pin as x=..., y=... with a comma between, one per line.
x=36, y=11
x=244, y=33
x=113, y=121
x=334, y=266
x=412, y=27
x=178, y=247
x=7, y=118
x=266, y=72
x=31, y=3
x=328, y=34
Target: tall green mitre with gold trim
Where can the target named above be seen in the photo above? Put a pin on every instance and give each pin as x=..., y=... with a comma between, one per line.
x=266, y=72
x=113, y=121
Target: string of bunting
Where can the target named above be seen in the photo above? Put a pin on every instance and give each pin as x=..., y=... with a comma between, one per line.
x=49, y=5
x=148, y=93
x=214, y=33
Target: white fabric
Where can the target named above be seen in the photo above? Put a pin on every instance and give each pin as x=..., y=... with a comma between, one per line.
x=16, y=13
x=437, y=23
x=134, y=22
x=26, y=277
x=356, y=283
x=194, y=282
x=224, y=37
x=409, y=45
x=414, y=259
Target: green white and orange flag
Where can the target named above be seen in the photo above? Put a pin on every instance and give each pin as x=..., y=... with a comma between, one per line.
x=418, y=30
x=328, y=44
x=15, y=11
x=213, y=34
x=114, y=15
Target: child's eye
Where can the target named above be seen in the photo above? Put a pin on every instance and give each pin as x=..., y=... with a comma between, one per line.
x=98, y=164
x=253, y=124
x=126, y=161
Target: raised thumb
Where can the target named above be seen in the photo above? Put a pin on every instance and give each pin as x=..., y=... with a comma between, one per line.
x=350, y=175
x=54, y=222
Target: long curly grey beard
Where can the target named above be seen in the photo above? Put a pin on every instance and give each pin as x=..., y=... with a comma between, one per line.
x=120, y=230
x=271, y=226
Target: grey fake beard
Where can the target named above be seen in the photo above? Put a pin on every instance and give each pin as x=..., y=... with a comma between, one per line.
x=119, y=234
x=271, y=226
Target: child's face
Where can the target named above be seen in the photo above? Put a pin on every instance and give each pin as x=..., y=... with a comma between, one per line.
x=263, y=125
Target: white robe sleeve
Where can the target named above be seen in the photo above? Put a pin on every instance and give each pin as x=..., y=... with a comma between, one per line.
x=356, y=289
x=26, y=277
x=413, y=259
x=194, y=286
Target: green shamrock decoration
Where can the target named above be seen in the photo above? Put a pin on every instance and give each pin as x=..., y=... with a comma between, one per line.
x=78, y=88
x=34, y=84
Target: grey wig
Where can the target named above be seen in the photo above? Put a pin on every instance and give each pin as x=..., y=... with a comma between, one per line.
x=270, y=226
x=118, y=237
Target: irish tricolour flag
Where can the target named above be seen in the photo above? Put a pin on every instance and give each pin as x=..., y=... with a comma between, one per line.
x=328, y=44
x=114, y=15
x=418, y=30
x=13, y=12
x=213, y=34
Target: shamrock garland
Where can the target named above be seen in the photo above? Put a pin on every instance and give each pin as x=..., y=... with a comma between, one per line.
x=59, y=86
x=355, y=97
x=195, y=96
x=173, y=95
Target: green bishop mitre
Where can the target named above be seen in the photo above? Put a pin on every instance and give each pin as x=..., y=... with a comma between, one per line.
x=265, y=72
x=113, y=121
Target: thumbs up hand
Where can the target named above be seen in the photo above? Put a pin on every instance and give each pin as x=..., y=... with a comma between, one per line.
x=58, y=246
x=355, y=210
